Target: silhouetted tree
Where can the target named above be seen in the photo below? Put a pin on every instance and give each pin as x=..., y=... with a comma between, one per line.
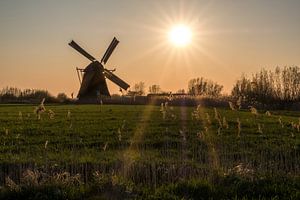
x=280, y=85
x=11, y=94
x=181, y=91
x=154, y=89
x=139, y=88
x=204, y=87
x=62, y=97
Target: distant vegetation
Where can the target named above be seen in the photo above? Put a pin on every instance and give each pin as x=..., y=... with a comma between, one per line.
x=204, y=87
x=278, y=89
x=16, y=95
x=281, y=86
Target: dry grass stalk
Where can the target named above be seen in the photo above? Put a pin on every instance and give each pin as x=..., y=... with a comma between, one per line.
x=206, y=129
x=259, y=128
x=6, y=131
x=167, y=111
x=163, y=110
x=201, y=135
x=123, y=124
x=162, y=107
x=69, y=114
x=166, y=105
x=51, y=114
x=40, y=109
x=170, y=97
x=224, y=123
x=242, y=170
x=293, y=135
x=30, y=178
x=119, y=134
x=36, y=178
x=294, y=126
x=121, y=129
x=253, y=110
x=66, y=179
x=219, y=130
x=183, y=135
x=238, y=127
x=105, y=146
x=216, y=113
x=231, y=105
x=280, y=122
x=268, y=113
x=208, y=118
x=173, y=116
x=46, y=144
x=11, y=185
x=196, y=114
x=239, y=103
x=20, y=115
x=298, y=125
x=218, y=117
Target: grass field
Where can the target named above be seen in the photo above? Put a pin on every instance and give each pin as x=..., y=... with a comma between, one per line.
x=113, y=151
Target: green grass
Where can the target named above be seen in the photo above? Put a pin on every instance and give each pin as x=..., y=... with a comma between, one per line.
x=136, y=143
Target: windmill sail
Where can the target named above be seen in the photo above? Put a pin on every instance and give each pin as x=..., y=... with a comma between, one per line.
x=81, y=50
x=109, y=50
x=122, y=84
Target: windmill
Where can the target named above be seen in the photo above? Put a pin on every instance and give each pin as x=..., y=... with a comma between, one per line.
x=93, y=78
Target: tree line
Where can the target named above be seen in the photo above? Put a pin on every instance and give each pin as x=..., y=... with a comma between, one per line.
x=280, y=86
x=13, y=94
x=196, y=87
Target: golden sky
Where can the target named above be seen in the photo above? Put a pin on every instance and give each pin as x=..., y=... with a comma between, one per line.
x=228, y=38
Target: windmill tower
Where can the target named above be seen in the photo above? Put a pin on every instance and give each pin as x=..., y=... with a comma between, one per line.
x=93, y=77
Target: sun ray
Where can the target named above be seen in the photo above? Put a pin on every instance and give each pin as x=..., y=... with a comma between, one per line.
x=132, y=153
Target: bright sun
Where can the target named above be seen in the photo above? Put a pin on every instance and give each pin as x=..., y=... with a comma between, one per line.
x=180, y=35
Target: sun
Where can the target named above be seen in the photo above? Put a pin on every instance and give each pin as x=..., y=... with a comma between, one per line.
x=180, y=35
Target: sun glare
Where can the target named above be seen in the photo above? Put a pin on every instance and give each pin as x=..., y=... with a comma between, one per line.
x=180, y=35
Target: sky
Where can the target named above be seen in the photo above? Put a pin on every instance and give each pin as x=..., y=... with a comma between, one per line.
x=229, y=38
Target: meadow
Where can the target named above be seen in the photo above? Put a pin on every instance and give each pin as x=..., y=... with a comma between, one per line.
x=148, y=152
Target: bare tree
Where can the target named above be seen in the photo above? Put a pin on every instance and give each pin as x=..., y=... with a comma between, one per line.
x=139, y=88
x=205, y=87
x=62, y=97
x=280, y=85
x=181, y=91
x=154, y=89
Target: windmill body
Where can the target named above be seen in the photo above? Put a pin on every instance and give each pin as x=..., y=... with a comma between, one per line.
x=93, y=78
x=93, y=82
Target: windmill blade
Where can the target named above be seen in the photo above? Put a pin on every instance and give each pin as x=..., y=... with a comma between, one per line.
x=122, y=84
x=81, y=50
x=109, y=50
